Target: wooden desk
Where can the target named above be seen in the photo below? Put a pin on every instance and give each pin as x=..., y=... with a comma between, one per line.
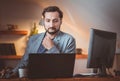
x=65, y=79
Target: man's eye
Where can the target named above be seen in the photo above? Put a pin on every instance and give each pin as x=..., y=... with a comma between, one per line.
x=47, y=20
x=55, y=20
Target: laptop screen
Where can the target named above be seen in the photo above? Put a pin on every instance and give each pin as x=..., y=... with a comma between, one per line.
x=51, y=65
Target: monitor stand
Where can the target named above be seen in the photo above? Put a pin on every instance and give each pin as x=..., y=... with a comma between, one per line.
x=101, y=72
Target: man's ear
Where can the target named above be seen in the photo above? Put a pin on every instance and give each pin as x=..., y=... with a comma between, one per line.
x=41, y=22
x=61, y=21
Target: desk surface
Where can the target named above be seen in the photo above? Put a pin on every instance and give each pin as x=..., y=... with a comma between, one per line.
x=65, y=79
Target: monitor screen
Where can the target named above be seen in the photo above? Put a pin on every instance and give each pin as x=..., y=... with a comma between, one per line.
x=101, y=50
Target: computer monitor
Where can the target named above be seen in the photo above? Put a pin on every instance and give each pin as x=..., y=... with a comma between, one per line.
x=101, y=50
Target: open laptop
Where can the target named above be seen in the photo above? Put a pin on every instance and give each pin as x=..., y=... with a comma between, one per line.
x=51, y=65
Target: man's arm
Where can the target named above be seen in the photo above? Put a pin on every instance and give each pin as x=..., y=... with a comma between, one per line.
x=68, y=46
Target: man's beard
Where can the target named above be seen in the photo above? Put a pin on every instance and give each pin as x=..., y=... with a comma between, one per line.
x=52, y=30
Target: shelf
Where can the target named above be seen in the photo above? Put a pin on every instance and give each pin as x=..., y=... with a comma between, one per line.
x=10, y=57
x=13, y=32
x=82, y=56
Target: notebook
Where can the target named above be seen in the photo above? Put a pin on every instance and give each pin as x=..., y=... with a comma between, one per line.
x=51, y=65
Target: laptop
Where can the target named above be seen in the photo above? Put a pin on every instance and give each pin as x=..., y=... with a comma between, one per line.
x=51, y=65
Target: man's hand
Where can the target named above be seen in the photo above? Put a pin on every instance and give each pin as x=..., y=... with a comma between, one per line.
x=47, y=42
x=10, y=75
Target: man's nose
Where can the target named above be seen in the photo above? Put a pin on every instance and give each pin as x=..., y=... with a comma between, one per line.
x=51, y=24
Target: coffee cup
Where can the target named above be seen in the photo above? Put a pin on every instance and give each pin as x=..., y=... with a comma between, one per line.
x=22, y=72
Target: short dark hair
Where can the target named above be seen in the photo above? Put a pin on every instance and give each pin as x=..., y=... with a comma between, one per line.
x=52, y=9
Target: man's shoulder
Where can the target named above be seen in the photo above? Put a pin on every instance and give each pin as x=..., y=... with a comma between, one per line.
x=37, y=36
x=66, y=35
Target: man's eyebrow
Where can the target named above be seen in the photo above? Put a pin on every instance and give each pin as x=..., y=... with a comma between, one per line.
x=52, y=19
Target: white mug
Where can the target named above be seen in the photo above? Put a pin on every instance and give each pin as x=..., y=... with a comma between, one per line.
x=22, y=72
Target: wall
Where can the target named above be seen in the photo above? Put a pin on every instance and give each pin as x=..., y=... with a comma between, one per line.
x=21, y=13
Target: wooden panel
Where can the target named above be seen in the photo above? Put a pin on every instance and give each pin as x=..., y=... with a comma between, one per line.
x=82, y=56
x=66, y=79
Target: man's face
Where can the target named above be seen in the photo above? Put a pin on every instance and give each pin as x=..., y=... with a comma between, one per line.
x=52, y=22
